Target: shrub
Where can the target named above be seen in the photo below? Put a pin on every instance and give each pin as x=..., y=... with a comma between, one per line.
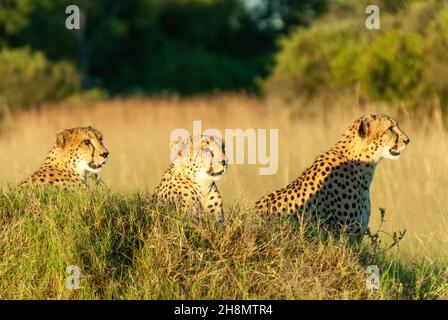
x=392, y=66
x=315, y=59
x=404, y=61
x=436, y=70
x=28, y=78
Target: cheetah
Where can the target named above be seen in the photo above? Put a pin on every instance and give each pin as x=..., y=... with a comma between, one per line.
x=335, y=189
x=190, y=180
x=77, y=153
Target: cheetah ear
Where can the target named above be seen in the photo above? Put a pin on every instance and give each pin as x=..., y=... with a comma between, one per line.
x=61, y=137
x=364, y=127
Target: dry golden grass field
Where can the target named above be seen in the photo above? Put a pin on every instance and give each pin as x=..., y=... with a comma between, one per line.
x=413, y=189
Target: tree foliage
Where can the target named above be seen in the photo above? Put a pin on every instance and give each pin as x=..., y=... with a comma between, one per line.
x=152, y=46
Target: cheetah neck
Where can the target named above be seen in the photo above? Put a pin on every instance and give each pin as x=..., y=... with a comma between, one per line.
x=202, y=185
x=354, y=149
x=56, y=158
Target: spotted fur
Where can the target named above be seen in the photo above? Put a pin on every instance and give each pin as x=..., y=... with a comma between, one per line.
x=335, y=189
x=77, y=153
x=190, y=180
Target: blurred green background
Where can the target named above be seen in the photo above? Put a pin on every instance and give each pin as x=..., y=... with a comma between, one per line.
x=290, y=48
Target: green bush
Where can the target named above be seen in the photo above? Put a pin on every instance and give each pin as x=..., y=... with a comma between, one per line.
x=318, y=58
x=315, y=59
x=392, y=65
x=403, y=61
x=436, y=70
x=28, y=78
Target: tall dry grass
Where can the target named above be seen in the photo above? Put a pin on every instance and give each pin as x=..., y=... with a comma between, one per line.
x=412, y=189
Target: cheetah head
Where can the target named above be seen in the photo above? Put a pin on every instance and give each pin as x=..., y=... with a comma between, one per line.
x=202, y=157
x=82, y=149
x=381, y=137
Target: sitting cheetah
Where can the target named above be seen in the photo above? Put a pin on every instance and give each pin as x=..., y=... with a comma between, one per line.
x=198, y=162
x=78, y=152
x=335, y=189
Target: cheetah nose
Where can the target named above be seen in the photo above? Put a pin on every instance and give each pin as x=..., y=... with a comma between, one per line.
x=225, y=162
x=105, y=154
x=406, y=141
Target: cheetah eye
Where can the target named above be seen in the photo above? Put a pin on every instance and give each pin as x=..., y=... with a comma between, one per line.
x=87, y=142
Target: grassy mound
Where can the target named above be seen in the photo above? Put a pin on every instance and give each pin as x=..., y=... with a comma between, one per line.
x=127, y=248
